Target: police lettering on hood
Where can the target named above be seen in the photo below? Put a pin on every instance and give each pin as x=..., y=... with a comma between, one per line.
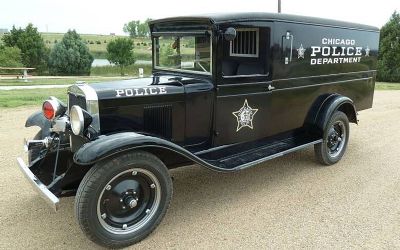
x=140, y=91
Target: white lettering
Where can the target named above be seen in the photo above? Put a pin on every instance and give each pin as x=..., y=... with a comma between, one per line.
x=348, y=51
x=119, y=92
x=326, y=51
x=315, y=50
x=313, y=61
x=153, y=92
x=334, y=53
x=137, y=92
x=358, y=51
x=128, y=92
x=162, y=90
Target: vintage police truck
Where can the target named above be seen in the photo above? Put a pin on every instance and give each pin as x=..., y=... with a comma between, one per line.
x=227, y=92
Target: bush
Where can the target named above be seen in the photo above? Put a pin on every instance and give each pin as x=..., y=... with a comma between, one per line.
x=10, y=57
x=98, y=42
x=120, y=52
x=31, y=44
x=71, y=56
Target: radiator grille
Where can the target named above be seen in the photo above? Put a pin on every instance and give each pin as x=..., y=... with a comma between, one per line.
x=158, y=120
x=76, y=100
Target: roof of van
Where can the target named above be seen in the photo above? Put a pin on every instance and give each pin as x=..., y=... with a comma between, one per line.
x=219, y=18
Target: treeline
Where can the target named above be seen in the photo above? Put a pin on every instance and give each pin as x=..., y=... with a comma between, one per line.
x=25, y=47
x=389, y=50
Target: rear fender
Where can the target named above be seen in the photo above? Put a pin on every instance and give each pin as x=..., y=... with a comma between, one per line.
x=331, y=104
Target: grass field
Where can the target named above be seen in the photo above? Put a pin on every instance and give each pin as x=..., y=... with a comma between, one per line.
x=97, y=44
x=16, y=98
x=60, y=81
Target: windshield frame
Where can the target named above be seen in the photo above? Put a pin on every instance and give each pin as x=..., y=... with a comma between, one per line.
x=157, y=35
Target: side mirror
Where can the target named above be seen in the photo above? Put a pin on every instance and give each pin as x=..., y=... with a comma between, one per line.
x=230, y=34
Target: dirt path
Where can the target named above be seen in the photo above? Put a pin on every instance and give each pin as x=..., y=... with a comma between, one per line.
x=284, y=203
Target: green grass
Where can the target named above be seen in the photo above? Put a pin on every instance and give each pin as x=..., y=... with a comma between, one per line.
x=60, y=81
x=131, y=70
x=17, y=98
x=387, y=86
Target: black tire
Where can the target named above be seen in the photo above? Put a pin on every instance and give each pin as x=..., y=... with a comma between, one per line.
x=34, y=153
x=96, y=194
x=335, y=139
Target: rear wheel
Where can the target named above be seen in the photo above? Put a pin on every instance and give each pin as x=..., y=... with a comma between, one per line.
x=122, y=200
x=336, y=137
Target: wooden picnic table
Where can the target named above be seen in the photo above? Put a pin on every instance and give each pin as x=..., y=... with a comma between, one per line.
x=23, y=69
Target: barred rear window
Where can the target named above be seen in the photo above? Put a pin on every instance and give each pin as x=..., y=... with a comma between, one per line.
x=245, y=44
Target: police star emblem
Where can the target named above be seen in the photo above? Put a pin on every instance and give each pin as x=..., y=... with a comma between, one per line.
x=244, y=116
x=367, y=50
x=300, y=51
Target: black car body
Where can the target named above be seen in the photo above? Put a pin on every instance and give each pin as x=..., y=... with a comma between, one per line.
x=227, y=92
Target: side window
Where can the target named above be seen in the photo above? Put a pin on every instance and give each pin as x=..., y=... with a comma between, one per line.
x=247, y=54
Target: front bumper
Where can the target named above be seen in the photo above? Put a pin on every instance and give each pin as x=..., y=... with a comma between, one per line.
x=39, y=187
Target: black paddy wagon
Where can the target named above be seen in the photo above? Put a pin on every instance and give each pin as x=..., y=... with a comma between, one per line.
x=227, y=92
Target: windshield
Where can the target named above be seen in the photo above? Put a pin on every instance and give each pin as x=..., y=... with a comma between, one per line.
x=190, y=53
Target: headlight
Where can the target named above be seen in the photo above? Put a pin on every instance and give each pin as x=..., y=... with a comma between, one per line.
x=79, y=119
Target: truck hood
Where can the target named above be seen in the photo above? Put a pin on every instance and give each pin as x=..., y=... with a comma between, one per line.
x=140, y=87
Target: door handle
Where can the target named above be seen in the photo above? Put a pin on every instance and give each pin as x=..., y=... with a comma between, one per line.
x=270, y=87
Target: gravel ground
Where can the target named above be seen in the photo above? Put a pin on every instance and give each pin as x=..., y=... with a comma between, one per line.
x=289, y=202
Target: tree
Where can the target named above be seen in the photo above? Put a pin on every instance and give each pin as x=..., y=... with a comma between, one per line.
x=31, y=44
x=389, y=50
x=10, y=57
x=70, y=56
x=120, y=52
x=137, y=28
x=131, y=28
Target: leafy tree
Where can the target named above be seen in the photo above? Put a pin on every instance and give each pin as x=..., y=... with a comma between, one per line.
x=10, y=57
x=120, y=52
x=389, y=50
x=131, y=28
x=70, y=56
x=137, y=28
x=31, y=44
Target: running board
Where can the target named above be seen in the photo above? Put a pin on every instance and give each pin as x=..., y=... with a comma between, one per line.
x=270, y=157
x=225, y=160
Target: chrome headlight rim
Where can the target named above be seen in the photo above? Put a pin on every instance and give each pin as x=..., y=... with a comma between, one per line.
x=76, y=112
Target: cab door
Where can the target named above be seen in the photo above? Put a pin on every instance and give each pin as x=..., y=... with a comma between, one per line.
x=242, y=108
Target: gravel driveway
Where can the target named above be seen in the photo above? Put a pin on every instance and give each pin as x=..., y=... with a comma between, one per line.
x=289, y=202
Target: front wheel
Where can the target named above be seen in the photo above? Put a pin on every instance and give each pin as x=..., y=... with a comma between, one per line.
x=336, y=137
x=122, y=200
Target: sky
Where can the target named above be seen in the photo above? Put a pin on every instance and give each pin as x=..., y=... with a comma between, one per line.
x=105, y=17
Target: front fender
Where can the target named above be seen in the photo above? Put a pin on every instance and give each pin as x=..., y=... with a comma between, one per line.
x=38, y=119
x=109, y=145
